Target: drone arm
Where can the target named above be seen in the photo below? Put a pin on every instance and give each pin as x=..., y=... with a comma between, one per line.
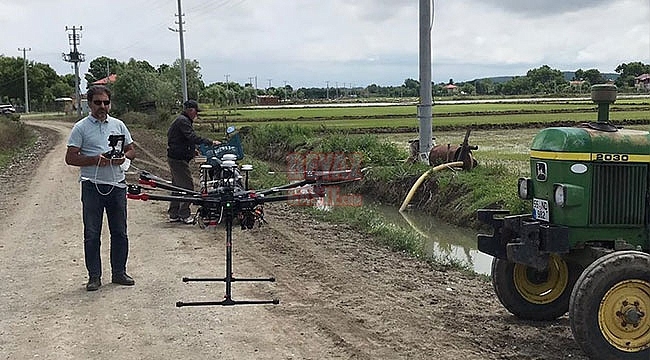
x=290, y=186
x=290, y=197
x=157, y=182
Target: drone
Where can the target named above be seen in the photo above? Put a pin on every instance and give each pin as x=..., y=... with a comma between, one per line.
x=225, y=198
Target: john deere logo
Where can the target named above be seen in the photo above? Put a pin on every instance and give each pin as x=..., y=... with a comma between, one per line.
x=541, y=171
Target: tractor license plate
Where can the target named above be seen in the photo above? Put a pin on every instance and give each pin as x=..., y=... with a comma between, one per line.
x=541, y=210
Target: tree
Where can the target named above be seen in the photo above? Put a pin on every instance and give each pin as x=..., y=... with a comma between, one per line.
x=12, y=85
x=373, y=89
x=41, y=78
x=468, y=89
x=141, y=65
x=61, y=89
x=412, y=84
x=484, y=86
x=101, y=67
x=411, y=87
x=593, y=76
x=629, y=72
x=11, y=79
x=134, y=87
x=215, y=93
x=192, y=73
x=248, y=95
x=578, y=75
x=544, y=79
x=519, y=85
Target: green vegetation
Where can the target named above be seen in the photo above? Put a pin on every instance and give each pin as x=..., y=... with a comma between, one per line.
x=388, y=178
x=14, y=137
x=453, y=122
x=445, y=117
x=273, y=142
x=410, y=110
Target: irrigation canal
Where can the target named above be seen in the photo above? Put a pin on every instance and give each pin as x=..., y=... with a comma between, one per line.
x=442, y=240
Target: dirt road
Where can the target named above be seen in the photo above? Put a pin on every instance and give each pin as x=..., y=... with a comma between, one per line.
x=342, y=296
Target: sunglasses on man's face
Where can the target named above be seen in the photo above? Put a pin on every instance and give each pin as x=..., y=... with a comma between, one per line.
x=99, y=102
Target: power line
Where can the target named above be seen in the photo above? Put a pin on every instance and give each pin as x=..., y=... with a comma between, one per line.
x=75, y=57
x=182, y=46
x=25, y=77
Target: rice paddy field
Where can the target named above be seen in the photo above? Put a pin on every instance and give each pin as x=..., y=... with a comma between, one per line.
x=503, y=131
x=403, y=118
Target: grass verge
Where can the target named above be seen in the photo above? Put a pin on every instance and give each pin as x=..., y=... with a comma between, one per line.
x=14, y=138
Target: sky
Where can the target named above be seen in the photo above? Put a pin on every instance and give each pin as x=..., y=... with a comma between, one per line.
x=334, y=43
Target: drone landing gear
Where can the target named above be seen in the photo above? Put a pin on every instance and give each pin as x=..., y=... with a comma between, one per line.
x=229, y=279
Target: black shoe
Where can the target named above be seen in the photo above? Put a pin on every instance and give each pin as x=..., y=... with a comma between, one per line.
x=93, y=284
x=123, y=279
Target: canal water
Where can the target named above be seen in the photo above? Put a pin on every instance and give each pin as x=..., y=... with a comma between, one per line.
x=442, y=240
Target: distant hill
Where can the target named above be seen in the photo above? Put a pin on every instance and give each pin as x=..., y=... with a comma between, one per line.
x=568, y=76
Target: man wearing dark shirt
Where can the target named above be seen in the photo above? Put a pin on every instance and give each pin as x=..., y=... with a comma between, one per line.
x=181, y=148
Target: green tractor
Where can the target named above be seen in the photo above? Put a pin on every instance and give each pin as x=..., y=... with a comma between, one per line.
x=585, y=247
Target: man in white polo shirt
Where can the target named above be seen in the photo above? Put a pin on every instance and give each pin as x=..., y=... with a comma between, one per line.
x=102, y=184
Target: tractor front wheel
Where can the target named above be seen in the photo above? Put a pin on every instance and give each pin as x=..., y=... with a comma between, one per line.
x=532, y=294
x=610, y=307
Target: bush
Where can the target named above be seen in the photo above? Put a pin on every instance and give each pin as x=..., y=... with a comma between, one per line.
x=376, y=152
x=14, y=136
x=275, y=142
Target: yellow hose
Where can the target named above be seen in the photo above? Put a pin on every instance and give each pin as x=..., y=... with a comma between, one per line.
x=421, y=179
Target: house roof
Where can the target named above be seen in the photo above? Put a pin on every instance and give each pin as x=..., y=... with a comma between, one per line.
x=643, y=77
x=109, y=79
x=450, y=86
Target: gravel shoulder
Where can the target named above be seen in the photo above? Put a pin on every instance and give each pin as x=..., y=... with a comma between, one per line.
x=342, y=296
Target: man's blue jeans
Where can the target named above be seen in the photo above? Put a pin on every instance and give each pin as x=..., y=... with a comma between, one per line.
x=113, y=200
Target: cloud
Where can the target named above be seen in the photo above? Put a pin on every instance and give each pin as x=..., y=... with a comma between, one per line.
x=307, y=42
x=537, y=8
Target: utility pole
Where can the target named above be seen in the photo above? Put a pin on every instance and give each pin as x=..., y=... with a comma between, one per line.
x=25, y=76
x=75, y=57
x=327, y=91
x=426, y=101
x=180, y=37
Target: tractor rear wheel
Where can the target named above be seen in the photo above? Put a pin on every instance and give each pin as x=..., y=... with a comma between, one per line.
x=610, y=307
x=532, y=294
